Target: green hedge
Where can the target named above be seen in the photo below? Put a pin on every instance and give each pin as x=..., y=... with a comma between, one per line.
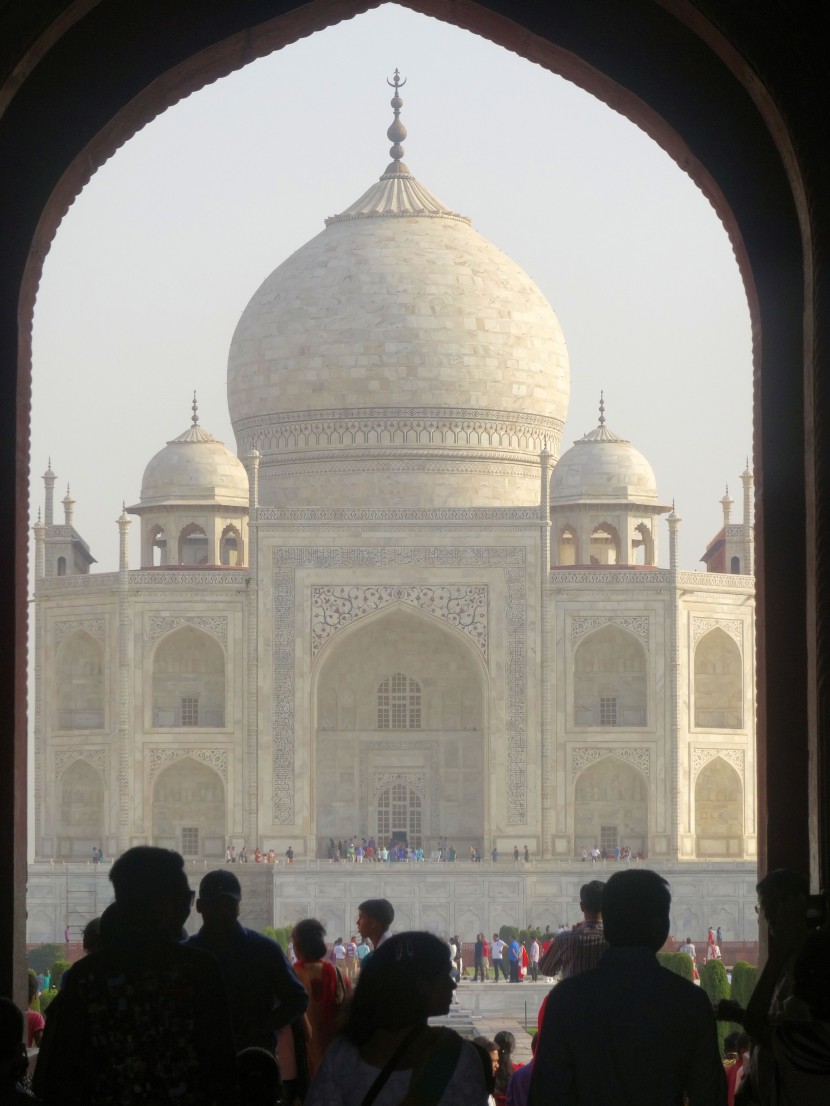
x=46, y=997
x=678, y=962
x=744, y=978
x=507, y=933
x=714, y=981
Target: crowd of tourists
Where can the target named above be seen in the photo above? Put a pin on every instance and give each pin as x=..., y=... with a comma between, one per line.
x=224, y=1018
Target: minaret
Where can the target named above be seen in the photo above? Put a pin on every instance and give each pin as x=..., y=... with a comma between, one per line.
x=68, y=507
x=250, y=826
x=546, y=599
x=674, y=521
x=749, y=533
x=674, y=751
x=49, y=479
x=40, y=531
x=124, y=751
x=727, y=503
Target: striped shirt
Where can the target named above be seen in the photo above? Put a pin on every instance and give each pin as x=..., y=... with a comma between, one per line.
x=574, y=951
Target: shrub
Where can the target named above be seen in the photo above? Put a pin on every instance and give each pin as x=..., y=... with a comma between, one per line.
x=42, y=957
x=507, y=933
x=714, y=981
x=46, y=997
x=58, y=968
x=282, y=936
x=744, y=978
x=678, y=962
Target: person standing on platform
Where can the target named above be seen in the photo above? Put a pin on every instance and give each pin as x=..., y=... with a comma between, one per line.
x=496, y=956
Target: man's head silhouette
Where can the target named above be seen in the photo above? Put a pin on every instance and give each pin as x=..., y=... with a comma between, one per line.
x=635, y=909
x=151, y=890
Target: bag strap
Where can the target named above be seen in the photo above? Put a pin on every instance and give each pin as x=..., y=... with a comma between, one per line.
x=390, y=1066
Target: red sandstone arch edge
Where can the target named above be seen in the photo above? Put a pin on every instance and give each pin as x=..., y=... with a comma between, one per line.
x=80, y=78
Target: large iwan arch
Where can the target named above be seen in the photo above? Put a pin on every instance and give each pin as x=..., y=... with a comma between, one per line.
x=367, y=768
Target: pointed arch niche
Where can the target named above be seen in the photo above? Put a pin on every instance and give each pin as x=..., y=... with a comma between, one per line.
x=719, y=819
x=718, y=688
x=611, y=806
x=80, y=699
x=605, y=547
x=80, y=810
x=610, y=680
x=188, y=688
x=189, y=809
x=363, y=757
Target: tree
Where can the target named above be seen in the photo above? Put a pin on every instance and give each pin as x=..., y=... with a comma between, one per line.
x=42, y=957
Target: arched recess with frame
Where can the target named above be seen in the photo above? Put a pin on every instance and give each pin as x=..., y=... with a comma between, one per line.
x=189, y=810
x=610, y=679
x=80, y=822
x=188, y=681
x=719, y=684
x=666, y=67
x=719, y=811
x=80, y=683
x=611, y=807
x=399, y=699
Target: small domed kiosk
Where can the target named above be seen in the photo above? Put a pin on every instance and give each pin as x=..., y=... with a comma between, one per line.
x=194, y=503
x=603, y=502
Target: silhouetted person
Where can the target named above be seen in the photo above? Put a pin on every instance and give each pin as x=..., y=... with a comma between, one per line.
x=13, y=1060
x=259, y=1077
x=578, y=949
x=374, y=917
x=263, y=990
x=144, y=1019
x=629, y=1030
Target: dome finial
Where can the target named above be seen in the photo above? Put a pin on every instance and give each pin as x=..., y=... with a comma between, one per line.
x=194, y=418
x=602, y=408
x=397, y=132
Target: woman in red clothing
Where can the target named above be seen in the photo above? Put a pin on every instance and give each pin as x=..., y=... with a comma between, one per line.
x=323, y=983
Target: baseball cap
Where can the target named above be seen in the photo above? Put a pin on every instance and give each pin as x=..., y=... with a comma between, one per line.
x=220, y=883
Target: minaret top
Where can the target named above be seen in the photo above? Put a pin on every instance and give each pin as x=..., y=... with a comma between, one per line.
x=194, y=418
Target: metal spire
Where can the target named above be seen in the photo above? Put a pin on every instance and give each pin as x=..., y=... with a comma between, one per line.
x=194, y=418
x=602, y=408
x=397, y=132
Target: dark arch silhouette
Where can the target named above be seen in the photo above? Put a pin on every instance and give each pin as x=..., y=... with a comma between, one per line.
x=737, y=95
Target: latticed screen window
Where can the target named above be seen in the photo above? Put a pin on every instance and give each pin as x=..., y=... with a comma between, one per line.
x=190, y=840
x=607, y=711
x=607, y=838
x=399, y=812
x=189, y=711
x=399, y=703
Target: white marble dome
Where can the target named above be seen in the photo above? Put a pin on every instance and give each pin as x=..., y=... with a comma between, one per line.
x=195, y=468
x=601, y=467
x=398, y=358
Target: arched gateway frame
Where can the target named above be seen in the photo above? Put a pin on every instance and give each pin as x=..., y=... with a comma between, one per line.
x=666, y=67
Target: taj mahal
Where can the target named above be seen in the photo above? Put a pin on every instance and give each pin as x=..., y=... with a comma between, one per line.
x=402, y=607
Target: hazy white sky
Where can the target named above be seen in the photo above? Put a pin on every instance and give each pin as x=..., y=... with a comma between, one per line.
x=157, y=258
